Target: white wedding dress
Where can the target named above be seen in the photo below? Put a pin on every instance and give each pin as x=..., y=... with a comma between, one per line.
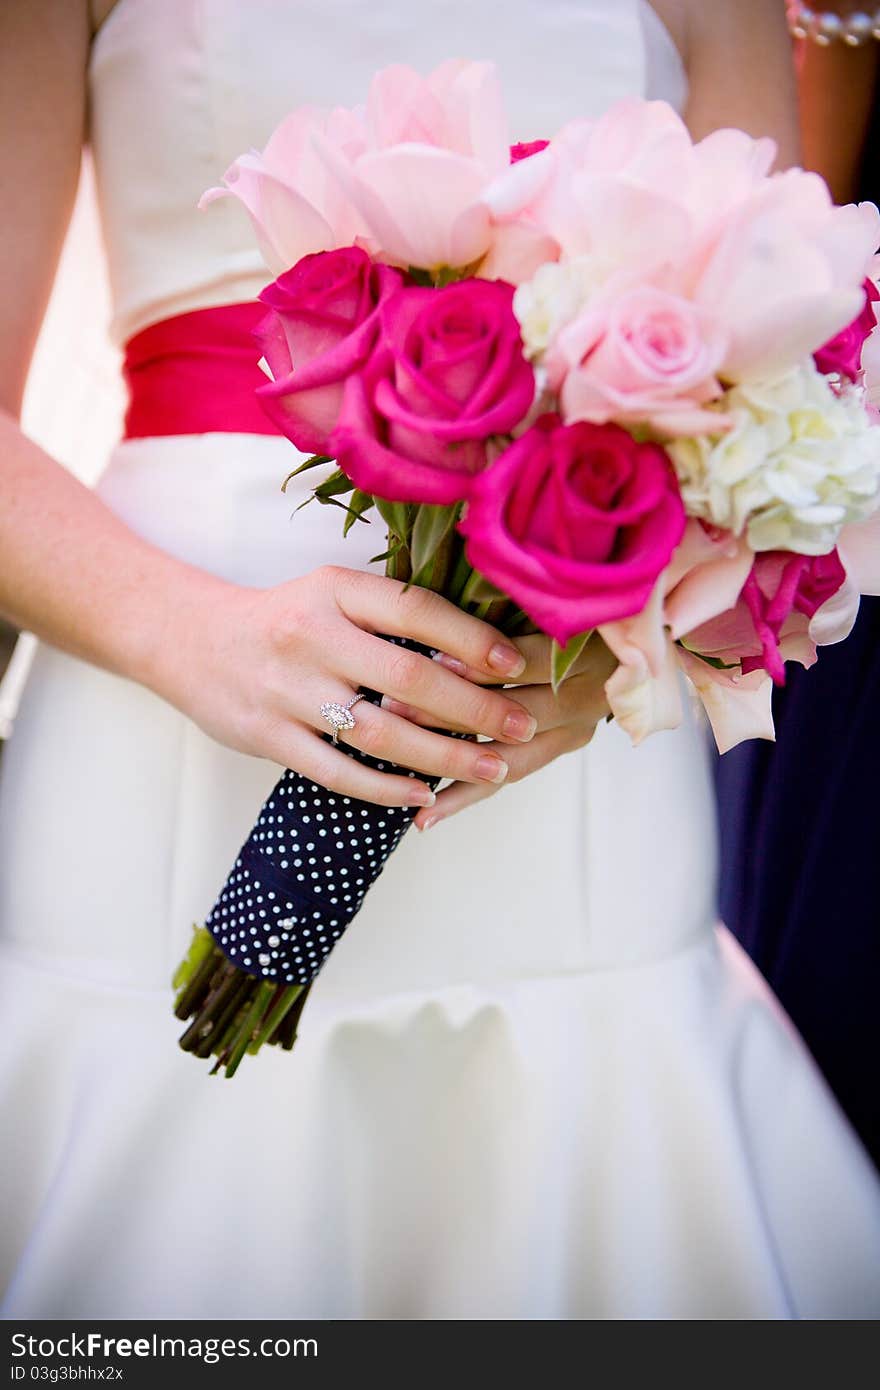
x=533, y=1080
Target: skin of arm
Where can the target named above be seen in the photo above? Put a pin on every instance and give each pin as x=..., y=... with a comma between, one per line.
x=836, y=93
x=110, y=610
x=740, y=71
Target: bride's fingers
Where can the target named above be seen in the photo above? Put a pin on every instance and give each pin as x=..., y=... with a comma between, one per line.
x=385, y=735
x=420, y=716
x=537, y=652
x=580, y=697
x=543, y=749
x=416, y=680
x=450, y=801
x=320, y=763
x=378, y=604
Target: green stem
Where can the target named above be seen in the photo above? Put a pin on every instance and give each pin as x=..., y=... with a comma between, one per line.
x=281, y=1006
x=201, y=945
x=398, y=566
x=205, y=1016
x=466, y=597
x=461, y=572
x=198, y=984
x=231, y=1057
x=443, y=561
x=215, y=1039
x=285, y=1037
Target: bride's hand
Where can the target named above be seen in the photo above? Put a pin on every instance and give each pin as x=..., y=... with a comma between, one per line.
x=564, y=722
x=256, y=666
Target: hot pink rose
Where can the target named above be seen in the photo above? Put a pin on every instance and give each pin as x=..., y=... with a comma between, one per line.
x=642, y=356
x=576, y=523
x=843, y=354
x=770, y=623
x=524, y=149
x=449, y=373
x=322, y=326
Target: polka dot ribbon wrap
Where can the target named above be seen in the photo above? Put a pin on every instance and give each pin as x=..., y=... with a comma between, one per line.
x=304, y=871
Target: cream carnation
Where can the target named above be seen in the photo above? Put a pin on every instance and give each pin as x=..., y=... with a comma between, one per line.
x=798, y=462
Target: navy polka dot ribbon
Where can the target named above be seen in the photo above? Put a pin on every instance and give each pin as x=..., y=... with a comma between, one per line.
x=305, y=870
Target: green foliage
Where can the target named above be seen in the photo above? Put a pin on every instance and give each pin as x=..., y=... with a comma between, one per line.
x=316, y=461
x=396, y=516
x=361, y=502
x=430, y=529
x=563, y=658
x=478, y=589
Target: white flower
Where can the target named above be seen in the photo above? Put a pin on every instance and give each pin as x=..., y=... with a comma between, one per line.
x=799, y=461
x=554, y=297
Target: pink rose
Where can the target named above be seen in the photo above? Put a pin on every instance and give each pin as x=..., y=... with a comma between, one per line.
x=575, y=523
x=295, y=206
x=642, y=356
x=434, y=145
x=614, y=189
x=843, y=354
x=322, y=327
x=785, y=274
x=449, y=373
x=770, y=623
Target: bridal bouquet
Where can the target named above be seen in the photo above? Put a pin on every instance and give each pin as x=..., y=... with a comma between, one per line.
x=607, y=387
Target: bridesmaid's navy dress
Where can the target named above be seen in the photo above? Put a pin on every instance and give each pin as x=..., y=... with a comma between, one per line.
x=800, y=854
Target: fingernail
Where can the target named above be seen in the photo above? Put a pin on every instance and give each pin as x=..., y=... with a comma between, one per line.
x=520, y=726
x=422, y=798
x=429, y=821
x=506, y=659
x=491, y=769
x=451, y=663
x=394, y=706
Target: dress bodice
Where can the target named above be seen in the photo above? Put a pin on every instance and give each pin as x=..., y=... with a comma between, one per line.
x=179, y=88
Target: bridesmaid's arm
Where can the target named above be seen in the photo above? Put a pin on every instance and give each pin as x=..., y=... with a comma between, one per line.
x=836, y=88
x=738, y=57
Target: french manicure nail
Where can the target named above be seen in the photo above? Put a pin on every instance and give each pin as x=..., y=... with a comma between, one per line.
x=425, y=798
x=451, y=663
x=429, y=821
x=492, y=769
x=520, y=726
x=507, y=660
x=394, y=706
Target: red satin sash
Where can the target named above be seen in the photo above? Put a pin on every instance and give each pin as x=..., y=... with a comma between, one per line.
x=196, y=373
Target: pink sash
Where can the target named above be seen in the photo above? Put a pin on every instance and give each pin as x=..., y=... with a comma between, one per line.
x=196, y=373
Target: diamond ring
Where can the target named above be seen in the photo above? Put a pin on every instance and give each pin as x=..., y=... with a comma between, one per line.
x=340, y=716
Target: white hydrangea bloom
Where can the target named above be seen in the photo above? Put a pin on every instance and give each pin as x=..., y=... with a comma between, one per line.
x=554, y=297
x=800, y=461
